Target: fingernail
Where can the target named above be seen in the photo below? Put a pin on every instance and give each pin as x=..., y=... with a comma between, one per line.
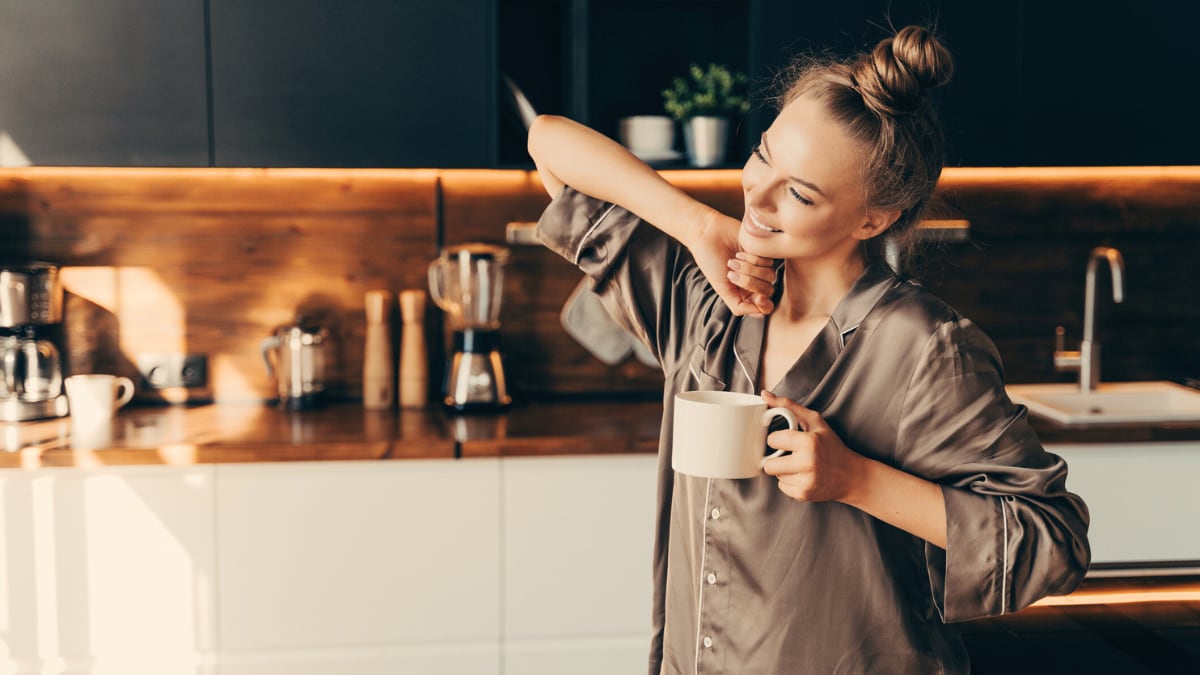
x=733, y=264
x=732, y=276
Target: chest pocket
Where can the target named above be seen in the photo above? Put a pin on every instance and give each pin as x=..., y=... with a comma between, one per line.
x=699, y=377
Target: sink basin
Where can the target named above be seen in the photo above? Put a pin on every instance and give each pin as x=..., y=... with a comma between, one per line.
x=1111, y=402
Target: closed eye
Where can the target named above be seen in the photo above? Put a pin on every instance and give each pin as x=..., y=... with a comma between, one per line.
x=757, y=150
x=799, y=197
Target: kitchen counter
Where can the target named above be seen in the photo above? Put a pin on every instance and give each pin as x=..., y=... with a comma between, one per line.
x=213, y=434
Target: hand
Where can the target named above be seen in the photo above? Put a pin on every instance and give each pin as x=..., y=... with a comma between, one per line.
x=820, y=467
x=745, y=282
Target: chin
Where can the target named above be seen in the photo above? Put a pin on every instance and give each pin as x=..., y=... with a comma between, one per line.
x=755, y=245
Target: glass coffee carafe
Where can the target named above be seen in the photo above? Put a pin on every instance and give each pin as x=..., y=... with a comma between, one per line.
x=467, y=281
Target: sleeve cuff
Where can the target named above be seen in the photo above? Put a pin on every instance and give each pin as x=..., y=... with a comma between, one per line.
x=968, y=580
x=585, y=230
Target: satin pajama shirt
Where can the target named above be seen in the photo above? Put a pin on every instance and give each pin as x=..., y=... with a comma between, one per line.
x=748, y=580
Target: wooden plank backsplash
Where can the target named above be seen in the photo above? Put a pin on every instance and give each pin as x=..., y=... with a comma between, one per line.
x=212, y=260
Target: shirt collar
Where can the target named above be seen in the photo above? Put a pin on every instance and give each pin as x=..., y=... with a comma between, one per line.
x=870, y=286
x=876, y=280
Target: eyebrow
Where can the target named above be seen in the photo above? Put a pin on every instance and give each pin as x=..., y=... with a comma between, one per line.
x=808, y=184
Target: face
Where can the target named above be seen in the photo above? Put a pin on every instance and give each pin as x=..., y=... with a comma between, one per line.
x=803, y=190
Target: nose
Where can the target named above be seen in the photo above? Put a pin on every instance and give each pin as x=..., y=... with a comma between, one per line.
x=757, y=190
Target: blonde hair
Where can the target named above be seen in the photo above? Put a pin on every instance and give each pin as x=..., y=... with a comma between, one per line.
x=882, y=98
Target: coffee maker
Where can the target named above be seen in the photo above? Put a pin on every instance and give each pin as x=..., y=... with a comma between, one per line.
x=31, y=302
x=467, y=281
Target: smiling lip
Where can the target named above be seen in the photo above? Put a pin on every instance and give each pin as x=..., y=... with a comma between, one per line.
x=755, y=227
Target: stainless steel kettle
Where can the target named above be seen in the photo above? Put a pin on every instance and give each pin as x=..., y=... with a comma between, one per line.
x=297, y=356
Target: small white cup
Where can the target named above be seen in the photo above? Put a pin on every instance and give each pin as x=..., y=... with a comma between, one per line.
x=647, y=133
x=94, y=399
x=722, y=434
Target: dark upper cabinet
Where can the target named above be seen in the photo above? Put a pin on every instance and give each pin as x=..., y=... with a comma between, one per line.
x=979, y=108
x=416, y=83
x=354, y=83
x=599, y=60
x=112, y=83
x=1109, y=82
x=1070, y=82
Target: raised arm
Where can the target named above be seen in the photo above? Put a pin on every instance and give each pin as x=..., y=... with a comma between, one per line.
x=569, y=153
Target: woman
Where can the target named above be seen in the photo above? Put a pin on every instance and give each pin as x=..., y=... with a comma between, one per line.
x=915, y=495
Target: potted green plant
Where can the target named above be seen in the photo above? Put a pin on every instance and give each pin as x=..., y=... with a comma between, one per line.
x=702, y=101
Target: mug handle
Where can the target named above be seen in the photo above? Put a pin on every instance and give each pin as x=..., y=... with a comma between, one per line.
x=125, y=385
x=268, y=347
x=793, y=424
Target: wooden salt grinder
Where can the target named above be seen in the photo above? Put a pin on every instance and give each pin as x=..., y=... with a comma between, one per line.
x=414, y=368
x=378, y=378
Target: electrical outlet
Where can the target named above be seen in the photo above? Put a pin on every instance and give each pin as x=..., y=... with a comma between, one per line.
x=167, y=371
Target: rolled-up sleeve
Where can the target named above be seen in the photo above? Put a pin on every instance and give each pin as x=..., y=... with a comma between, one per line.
x=1014, y=532
x=647, y=281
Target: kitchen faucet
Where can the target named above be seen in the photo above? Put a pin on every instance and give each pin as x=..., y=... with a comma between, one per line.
x=1087, y=359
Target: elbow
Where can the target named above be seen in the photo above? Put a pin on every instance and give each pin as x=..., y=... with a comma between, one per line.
x=542, y=126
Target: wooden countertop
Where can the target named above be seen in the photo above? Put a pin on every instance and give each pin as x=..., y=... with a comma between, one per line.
x=211, y=434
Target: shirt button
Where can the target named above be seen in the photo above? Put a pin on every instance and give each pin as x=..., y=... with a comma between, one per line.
x=707, y=643
x=716, y=513
x=712, y=578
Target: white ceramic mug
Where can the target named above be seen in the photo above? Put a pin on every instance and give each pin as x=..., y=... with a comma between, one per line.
x=722, y=434
x=647, y=133
x=94, y=399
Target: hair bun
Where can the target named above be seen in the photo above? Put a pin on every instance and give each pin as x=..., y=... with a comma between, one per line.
x=896, y=76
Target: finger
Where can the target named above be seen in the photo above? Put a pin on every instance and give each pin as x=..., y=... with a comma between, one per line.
x=797, y=462
x=749, y=282
x=775, y=466
x=764, y=273
x=734, y=298
x=764, y=304
x=755, y=259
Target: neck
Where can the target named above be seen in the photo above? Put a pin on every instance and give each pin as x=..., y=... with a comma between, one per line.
x=815, y=287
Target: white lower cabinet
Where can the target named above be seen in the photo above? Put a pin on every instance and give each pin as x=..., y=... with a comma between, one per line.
x=1142, y=498
x=107, y=571
x=578, y=539
x=515, y=566
x=363, y=567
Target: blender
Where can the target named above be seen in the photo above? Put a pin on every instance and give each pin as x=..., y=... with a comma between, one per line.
x=466, y=282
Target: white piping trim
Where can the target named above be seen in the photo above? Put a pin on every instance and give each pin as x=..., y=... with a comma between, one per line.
x=587, y=235
x=745, y=370
x=703, y=556
x=1004, y=569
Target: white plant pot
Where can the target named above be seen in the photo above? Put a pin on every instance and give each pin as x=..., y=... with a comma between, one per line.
x=706, y=139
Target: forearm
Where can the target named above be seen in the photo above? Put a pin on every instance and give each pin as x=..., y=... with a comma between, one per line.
x=568, y=153
x=908, y=502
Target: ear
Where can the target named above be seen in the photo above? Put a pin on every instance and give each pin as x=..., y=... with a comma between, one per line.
x=877, y=223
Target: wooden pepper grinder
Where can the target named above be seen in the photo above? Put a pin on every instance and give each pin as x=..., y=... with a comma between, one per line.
x=414, y=368
x=378, y=383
